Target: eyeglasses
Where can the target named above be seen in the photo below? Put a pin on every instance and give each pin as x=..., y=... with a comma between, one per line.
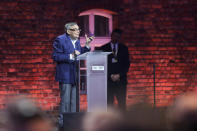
x=75, y=30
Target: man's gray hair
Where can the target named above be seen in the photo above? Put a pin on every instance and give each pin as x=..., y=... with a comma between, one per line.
x=68, y=25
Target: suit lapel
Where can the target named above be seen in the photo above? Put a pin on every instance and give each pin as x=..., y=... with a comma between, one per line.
x=77, y=45
x=69, y=44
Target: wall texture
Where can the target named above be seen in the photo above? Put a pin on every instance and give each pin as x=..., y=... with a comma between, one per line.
x=158, y=33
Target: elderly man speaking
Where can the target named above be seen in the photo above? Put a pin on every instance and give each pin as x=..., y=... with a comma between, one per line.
x=66, y=48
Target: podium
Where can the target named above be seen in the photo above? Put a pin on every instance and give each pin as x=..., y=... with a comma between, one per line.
x=94, y=81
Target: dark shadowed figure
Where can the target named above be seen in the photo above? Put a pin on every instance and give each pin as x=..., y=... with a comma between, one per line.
x=118, y=66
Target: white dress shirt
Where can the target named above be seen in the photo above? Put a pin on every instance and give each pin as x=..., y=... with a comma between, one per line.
x=71, y=55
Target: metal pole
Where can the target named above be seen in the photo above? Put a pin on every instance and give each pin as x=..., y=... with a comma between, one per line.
x=154, y=85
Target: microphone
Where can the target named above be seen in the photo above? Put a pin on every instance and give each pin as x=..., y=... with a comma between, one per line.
x=76, y=53
x=90, y=38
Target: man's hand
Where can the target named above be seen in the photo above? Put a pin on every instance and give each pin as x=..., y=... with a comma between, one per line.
x=88, y=40
x=115, y=77
x=77, y=52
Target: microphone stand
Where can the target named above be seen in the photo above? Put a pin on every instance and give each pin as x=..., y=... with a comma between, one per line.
x=76, y=81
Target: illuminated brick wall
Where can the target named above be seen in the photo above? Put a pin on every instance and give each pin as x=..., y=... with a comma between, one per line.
x=157, y=32
x=161, y=33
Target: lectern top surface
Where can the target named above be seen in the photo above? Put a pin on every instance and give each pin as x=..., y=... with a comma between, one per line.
x=84, y=55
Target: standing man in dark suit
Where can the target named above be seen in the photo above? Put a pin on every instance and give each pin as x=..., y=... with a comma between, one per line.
x=118, y=66
x=66, y=48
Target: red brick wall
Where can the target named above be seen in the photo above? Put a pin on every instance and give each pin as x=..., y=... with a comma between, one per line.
x=157, y=32
x=162, y=33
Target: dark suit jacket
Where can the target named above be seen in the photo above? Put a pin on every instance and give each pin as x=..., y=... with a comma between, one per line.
x=65, y=68
x=122, y=66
